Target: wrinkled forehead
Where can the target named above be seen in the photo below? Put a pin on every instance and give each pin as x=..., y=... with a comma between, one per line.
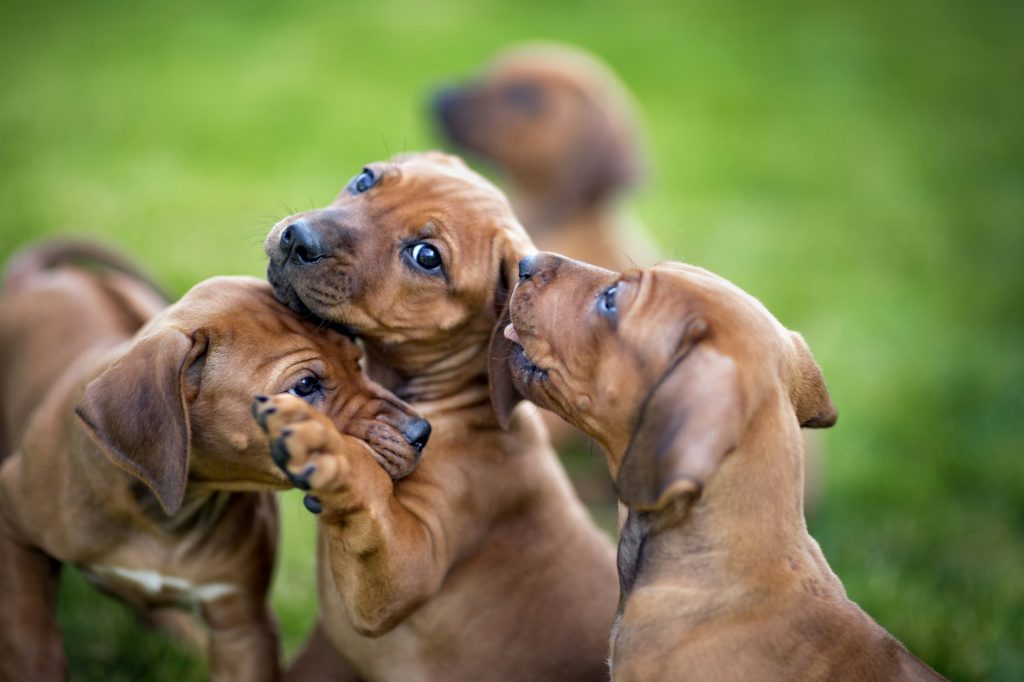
x=244, y=308
x=224, y=300
x=447, y=178
x=433, y=186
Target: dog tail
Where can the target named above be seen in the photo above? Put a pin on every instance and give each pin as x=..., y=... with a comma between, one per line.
x=47, y=255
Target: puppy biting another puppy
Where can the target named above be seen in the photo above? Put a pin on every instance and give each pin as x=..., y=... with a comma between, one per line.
x=129, y=449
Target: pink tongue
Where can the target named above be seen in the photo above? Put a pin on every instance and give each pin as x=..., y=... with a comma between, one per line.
x=510, y=334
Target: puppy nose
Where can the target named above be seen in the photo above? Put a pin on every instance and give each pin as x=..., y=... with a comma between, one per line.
x=526, y=267
x=301, y=243
x=417, y=433
x=443, y=101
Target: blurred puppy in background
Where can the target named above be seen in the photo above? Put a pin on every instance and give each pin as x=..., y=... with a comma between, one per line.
x=128, y=448
x=561, y=129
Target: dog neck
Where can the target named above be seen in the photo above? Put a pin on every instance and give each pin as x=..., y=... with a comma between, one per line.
x=449, y=376
x=548, y=213
x=201, y=509
x=742, y=540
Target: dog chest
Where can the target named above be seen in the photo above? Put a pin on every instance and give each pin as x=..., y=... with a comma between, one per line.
x=155, y=587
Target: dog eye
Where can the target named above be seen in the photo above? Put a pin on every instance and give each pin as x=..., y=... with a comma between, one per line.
x=606, y=300
x=426, y=256
x=306, y=386
x=524, y=96
x=362, y=182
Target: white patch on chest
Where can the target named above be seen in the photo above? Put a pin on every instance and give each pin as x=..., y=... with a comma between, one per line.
x=155, y=584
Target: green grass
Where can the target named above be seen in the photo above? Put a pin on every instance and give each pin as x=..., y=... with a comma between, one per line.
x=858, y=166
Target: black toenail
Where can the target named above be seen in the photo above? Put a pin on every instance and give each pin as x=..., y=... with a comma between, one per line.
x=279, y=453
x=261, y=418
x=312, y=504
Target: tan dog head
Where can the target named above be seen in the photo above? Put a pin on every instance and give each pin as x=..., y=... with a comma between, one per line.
x=554, y=120
x=664, y=366
x=417, y=254
x=176, y=405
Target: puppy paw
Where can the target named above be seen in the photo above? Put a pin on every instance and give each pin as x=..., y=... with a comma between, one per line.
x=304, y=443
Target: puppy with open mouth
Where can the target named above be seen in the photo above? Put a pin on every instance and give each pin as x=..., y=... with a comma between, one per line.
x=698, y=394
x=128, y=448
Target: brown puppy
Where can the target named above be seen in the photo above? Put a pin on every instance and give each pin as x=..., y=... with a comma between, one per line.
x=698, y=394
x=482, y=564
x=561, y=129
x=127, y=451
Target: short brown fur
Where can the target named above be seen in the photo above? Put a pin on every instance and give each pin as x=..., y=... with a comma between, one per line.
x=129, y=449
x=482, y=564
x=698, y=394
x=562, y=131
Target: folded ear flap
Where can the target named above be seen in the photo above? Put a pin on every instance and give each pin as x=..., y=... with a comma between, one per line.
x=814, y=408
x=691, y=420
x=137, y=413
x=504, y=394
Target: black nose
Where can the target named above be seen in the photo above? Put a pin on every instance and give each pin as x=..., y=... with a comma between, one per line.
x=444, y=100
x=301, y=243
x=446, y=104
x=526, y=267
x=417, y=432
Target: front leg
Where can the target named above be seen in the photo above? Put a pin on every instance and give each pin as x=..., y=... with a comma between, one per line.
x=243, y=643
x=31, y=646
x=388, y=555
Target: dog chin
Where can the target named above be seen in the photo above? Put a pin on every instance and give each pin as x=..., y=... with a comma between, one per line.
x=285, y=292
x=529, y=379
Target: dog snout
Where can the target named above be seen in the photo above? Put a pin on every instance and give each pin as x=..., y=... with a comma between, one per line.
x=445, y=101
x=539, y=265
x=301, y=244
x=448, y=106
x=417, y=433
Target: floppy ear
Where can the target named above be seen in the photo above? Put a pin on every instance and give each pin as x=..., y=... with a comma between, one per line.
x=814, y=408
x=690, y=421
x=137, y=412
x=504, y=394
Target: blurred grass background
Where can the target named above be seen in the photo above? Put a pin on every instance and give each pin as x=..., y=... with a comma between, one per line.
x=858, y=166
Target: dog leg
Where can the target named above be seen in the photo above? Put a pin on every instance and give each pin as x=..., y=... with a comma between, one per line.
x=31, y=646
x=319, y=661
x=244, y=643
x=387, y=558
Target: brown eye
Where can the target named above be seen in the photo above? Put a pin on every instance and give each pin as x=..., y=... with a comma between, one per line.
x=426, y=256
x=306, y=386
x=525, y=97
